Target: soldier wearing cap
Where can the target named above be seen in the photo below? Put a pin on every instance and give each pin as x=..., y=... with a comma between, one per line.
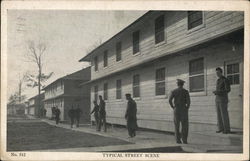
x=102, y=114
x=130, y=116
x=181, y=105
x=221, y=100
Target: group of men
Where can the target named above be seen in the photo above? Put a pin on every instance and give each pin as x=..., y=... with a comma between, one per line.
x=74, y=115
x=179, y=101
x=182, y=103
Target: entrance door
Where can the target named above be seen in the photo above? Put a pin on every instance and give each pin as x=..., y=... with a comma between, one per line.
x=234, y=72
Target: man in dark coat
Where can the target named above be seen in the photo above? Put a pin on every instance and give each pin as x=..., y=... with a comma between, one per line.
x=71, y=115
x=102, y=115
x=57, y=115
x=96, y=114
x=221, y=100
x=78, y=113
x=181, y=105
x=130, y=116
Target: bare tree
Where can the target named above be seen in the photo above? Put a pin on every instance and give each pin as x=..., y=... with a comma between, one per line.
x=36, y=55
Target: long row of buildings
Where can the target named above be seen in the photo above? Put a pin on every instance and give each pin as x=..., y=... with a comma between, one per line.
x=147, y=57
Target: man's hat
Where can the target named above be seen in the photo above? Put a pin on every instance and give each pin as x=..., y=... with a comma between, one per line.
x=180, y=81
x=128, y=95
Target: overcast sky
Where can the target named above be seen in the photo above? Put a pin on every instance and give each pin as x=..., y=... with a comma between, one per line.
x=67, y=34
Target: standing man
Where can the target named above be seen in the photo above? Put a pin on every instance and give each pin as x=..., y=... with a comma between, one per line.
x=181, y=105
x=78, y=113
x=130, y=116
x=57, y=114
x=71, y=115
x=96, y=114
x=102, y=114
x=221, y=100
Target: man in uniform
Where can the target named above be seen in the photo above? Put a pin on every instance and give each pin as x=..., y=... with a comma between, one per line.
x=96, y=114
x=130, y=116
x=71, y=115
x=57, y=114
x=78, y=113
x=181, y=105
x=102, y=114
x=221, y=100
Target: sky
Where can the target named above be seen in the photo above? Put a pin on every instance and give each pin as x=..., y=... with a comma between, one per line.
x=68, y=35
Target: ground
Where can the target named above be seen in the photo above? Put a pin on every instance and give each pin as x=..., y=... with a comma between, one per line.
x=25, y=135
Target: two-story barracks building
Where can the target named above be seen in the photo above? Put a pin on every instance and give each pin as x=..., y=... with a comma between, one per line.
x=147, y=57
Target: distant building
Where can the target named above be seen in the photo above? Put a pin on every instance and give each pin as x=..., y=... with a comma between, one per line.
x=66, y=91
x=147, y=57
x=33, y=103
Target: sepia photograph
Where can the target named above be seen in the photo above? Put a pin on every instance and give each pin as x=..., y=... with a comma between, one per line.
x=124, y=83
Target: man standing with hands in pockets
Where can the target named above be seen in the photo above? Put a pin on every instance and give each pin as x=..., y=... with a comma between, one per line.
x=181, y=105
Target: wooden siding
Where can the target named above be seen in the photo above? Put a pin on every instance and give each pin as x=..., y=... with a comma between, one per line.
x=177, y=37
x=154, y=111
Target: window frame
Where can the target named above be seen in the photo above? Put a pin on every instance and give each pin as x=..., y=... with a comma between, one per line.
x=105, y=58
x=136, y=42
x=160, y=81
x=195, y=75
x=96, y=63
x=136, y=86
x=202, y=25
x=160, y=29
x=105, y=91
x=239, y=73
x=118, y=53
x=96, y=92
x=118, y=89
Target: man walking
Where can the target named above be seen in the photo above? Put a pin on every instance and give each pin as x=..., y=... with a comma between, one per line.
x=102, y=114
x=71, y=115
x=130, y=116
x=78, y=113
x=181, y=105
x=96, y=114
x=221, y=100
x=57, y=114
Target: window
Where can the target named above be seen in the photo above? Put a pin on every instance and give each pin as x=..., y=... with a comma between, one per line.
x=196, y=75
x=136, y=42
x=159, y=29
x=105, y=91
x=194, y=19
x=118, y=51
x=105, y=58
x=118, y=89
x=233, y=73
x=160, y=82
x=96, y=63
x=96, y=93
x=136, y=85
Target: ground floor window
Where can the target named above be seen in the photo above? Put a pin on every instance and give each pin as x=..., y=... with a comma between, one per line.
x=233, y=73
x=196, y=75
x=95, y=93
x=136, y=85
x=160, y=82
x=118, y=89
x=105, y=91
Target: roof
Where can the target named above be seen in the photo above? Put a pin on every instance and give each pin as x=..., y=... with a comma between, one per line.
x=86, y=58
x=42, y=94
x=78, y=75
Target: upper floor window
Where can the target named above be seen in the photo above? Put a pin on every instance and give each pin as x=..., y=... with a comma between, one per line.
x=196, y=75
x=96, y=92
x=233, y=73
x=105, y=91
x=160, y=82
x=194, y=19
x=159, y=29
x=136, y=85
x=96, y=63
x=118, y=89
x=105, y=58
x=136, y=42
x=118, y=51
